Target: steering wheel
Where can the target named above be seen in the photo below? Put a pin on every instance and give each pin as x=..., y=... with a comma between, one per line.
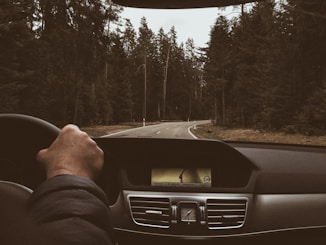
x=21, y=138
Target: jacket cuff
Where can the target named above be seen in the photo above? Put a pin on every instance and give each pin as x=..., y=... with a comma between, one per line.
x=71, y=182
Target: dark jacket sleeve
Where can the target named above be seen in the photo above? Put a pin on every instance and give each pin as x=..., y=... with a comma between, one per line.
x=71, y=210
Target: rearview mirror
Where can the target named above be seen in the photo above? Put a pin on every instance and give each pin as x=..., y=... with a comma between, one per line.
x=178, y=4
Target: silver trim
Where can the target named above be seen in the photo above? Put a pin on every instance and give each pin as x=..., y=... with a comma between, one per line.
x=244, y=234
x=153, y=212
x=187, y=197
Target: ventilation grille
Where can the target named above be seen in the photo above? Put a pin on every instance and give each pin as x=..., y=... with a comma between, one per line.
x=150, y=211
x=226, y=213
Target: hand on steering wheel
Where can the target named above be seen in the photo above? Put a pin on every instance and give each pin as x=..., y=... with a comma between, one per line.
x=73, y=152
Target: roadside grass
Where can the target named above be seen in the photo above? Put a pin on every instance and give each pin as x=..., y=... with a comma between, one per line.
x=209, y=131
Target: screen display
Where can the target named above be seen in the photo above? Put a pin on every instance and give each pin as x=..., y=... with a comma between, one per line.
x=200, y=177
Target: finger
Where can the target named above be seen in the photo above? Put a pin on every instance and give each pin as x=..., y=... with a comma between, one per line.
x=41, y=156
x=71, y=128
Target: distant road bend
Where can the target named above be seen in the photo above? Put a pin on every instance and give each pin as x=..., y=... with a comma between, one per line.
x=179, y=130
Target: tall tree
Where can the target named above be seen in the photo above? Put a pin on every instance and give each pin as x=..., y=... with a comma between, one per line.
x=216, y=67
x=145, y=53
x=194, y=78
x=16, y=49
x=164, y=52
x=121, y=100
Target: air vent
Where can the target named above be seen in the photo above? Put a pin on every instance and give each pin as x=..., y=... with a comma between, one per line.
x=226, y=213
x=150, y=211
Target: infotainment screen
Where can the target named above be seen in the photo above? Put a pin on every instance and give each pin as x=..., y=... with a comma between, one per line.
x=200, y=177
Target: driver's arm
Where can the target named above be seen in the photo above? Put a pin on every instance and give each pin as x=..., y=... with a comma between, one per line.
x=69, y=208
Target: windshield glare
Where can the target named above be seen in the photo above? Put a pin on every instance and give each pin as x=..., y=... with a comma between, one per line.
x=253, y=72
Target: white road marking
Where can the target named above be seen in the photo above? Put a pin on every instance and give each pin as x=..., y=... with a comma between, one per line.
x=127, y=130
x=189, y=131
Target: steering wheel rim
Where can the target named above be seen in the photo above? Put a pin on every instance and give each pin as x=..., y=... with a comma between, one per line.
x=21, y=137
x=12, y=118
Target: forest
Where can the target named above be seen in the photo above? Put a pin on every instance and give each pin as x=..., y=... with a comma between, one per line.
x=80, y=62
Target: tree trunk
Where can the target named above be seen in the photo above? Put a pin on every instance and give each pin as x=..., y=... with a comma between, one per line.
x=76, y=106
x=165, y=81
x=145, y=87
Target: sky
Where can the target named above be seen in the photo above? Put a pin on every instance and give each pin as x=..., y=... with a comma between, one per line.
x=189, y=23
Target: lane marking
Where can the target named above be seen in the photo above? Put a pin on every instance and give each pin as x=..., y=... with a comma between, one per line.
x=189, y=131
x=128, y=130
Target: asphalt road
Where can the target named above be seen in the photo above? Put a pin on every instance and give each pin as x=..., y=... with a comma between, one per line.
x=179, y=130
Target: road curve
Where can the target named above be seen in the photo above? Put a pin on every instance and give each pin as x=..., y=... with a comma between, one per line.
x=180, y=130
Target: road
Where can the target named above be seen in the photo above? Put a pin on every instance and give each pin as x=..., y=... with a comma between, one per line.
x=179, y=130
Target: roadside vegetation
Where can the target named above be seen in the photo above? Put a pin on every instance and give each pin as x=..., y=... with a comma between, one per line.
x=209, y=131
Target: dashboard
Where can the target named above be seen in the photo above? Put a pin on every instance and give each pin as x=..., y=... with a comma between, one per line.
x=194, y=191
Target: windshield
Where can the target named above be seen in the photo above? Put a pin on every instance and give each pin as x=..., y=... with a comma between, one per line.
x=251, y=72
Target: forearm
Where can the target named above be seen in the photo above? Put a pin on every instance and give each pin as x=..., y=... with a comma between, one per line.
x=72, y=209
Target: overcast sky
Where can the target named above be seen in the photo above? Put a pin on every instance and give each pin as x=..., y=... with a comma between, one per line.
x=191, y=23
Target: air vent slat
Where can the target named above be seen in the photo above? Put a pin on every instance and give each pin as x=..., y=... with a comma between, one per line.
x=147, y=201
x=242, y=206
x=227, y=216
x=148, y=221
x=150, y=211
x=159, y=217
x=226, y=213
x=149, y=208
x=226, y=210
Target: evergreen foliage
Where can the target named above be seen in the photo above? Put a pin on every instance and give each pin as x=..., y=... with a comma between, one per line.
x=273, y=67
x=79, y=62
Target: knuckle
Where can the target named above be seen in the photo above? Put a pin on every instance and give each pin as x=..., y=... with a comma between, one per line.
x=100, y=151
x=91, y=142
x=70, y=128
x=83, y=134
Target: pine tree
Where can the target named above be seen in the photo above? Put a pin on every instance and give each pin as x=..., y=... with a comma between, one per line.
x=120, y=88
x=216, y=67
x=16, y=51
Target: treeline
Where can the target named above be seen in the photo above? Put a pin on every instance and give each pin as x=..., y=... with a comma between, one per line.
x=80, y=62
x=266, y=69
